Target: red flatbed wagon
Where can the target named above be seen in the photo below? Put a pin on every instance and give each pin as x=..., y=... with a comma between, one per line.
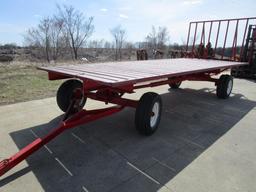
x=108, y=82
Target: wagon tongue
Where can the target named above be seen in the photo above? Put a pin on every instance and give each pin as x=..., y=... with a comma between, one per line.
x=71, y=121
x=8, y=164
x=4, y=166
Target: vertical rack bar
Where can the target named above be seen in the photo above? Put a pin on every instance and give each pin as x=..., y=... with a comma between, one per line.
x=193, y=47
x=234, y=45
x=225, y=40
x=217, y=38
x=188, y=36
x=210, y=32
x=242, y=48
x=202, y=34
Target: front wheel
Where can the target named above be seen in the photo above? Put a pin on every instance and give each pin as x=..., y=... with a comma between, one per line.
x=65, y=94
x=148, y=113
x=224, y=86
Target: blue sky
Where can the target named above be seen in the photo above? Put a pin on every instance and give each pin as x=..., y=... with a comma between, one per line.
x=136, y=16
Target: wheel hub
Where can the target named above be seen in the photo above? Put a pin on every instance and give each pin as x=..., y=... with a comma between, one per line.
x=154, y=114
x=229, y=88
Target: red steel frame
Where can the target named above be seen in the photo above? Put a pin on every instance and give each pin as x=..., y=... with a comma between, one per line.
x=113, y=94
x=105, y=94
x=225, y=22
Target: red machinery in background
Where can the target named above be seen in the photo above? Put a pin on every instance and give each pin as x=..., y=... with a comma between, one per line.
x=226, y=39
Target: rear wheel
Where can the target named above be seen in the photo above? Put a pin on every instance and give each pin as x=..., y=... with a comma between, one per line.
x=65, y=94
x=175, y=85
x=148, y=113
x=224, y=86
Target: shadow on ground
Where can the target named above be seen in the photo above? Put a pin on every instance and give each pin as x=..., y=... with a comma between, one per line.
x=109, y=155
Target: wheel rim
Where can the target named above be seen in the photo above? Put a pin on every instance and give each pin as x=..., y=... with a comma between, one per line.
x=229, y=88
x=155, y=114
x=79, y=102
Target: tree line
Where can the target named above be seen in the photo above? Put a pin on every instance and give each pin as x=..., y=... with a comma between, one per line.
x=69, y=30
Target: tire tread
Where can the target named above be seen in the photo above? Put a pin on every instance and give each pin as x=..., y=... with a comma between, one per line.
x=142, y=116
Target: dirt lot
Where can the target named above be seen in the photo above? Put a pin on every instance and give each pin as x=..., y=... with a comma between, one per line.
x=23, y=83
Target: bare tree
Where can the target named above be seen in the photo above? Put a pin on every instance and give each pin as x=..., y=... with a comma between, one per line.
x=162, y=37
x=107, y=45
x=118, y=34
x=47, y=36
x=44, y=29
x=152, y=39
x=96, y=44
x=157, y=39
x=57, y=37
x=40, y=36
x=78, y=28
x=129, y=48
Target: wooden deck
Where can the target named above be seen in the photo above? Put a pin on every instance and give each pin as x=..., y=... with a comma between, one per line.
x=138, y=71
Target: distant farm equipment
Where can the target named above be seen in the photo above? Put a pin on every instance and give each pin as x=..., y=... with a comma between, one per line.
x=142, y=54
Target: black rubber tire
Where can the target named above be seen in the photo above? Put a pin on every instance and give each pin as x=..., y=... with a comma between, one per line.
x=144, y=113
x=222, y=86
x=175, y=85
x=65, y=92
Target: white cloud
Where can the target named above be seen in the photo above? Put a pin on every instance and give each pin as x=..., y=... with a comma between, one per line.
x=38, y=16
x=127, y=8
x=123, y=16
x=154, y=11
x=104, y=10
x=192, y=2
x=143, y=14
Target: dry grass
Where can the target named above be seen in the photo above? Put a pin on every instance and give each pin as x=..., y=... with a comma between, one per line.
x=23, y=82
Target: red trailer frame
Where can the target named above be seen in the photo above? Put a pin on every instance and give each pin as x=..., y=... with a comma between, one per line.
x=110, y=92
